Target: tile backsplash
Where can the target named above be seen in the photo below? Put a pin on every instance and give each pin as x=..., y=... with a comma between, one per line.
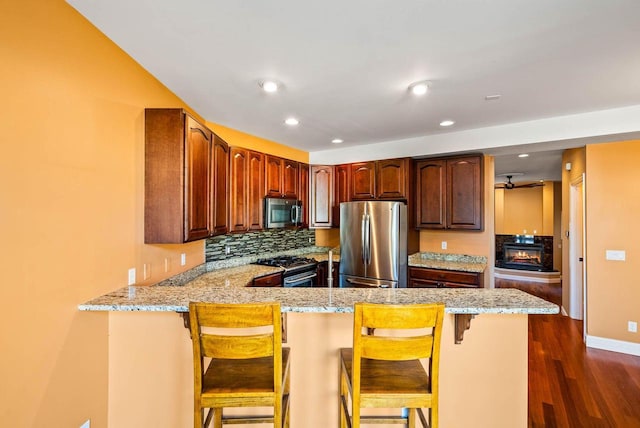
x=257, y=243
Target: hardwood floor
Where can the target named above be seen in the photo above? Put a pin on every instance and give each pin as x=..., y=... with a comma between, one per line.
x=574, y=386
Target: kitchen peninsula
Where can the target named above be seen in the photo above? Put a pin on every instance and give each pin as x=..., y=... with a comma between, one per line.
x=483, y=379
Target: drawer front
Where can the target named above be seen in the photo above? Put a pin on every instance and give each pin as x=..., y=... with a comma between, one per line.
x=273, y=280
x=439, y=275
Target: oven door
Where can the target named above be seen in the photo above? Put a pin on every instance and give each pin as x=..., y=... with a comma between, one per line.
x=302, y=279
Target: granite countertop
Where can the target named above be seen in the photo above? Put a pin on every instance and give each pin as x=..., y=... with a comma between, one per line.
x=228, y=286
x=457, y=262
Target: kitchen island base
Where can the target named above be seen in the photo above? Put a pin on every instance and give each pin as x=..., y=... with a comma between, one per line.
x=483, y=381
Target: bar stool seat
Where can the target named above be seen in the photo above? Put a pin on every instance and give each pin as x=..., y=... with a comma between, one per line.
x=247, y=369
x=386, y=371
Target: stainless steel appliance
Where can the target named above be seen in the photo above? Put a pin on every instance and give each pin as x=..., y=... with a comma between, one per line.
x=373, y=244
x=282, y=212
x=298, y=271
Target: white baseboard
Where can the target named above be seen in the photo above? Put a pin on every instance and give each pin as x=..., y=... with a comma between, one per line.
x=613, y=345
x=563, y=312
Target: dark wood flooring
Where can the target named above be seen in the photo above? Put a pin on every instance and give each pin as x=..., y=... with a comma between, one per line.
x=574, y=386
x=571, y=385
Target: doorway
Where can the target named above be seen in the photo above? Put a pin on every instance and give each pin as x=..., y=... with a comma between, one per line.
x=577, y=264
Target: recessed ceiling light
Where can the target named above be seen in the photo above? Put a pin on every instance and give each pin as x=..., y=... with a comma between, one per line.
x=419, y=88
x=269, y=86
x=523, y=155
x=292, y=121
x=447, y=123
x=337, y=140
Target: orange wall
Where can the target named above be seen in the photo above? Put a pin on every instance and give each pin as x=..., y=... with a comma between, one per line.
x=613, y=294
x=241, y=139
x=71, y=209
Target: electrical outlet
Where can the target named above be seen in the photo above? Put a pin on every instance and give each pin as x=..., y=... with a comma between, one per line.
x=227, y=249
x=632, y=326
x=132, y=276
x=183, y=259
x=167, y=264
x=86, y=424
x=444, y=245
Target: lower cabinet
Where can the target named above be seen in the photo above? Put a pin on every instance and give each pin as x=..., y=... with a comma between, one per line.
x=323, y=274
x=272, y=280
x=440, y=278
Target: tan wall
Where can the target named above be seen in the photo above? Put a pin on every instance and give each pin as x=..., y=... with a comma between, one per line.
x=248, y=141
x=490, y=365
x=523, y=211
x=72, y=207
x=613, y=295
x=578, y=166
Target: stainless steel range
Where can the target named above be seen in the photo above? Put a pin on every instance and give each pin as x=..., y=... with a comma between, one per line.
x=298, y=271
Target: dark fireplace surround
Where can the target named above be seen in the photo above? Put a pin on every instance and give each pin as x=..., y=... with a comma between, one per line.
x=525, y=252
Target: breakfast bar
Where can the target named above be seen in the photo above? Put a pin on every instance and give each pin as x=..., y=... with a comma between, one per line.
x=483, y=378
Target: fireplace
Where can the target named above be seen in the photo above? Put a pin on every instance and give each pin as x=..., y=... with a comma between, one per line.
x=523, y=256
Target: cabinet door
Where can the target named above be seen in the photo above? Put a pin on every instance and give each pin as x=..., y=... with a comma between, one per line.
x=342, y=176
x=303, y=192
x=290, y=172
x=321, y=196
x=219, y=187
x=363, y=181
x=197, y=181
x=238, y=189
x=465, y=193
x=391, y=179
x=255, y=183
x=273, y=176
x=431, y=191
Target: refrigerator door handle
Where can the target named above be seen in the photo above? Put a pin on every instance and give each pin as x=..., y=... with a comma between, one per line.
x=363, y=244
x=367, y=239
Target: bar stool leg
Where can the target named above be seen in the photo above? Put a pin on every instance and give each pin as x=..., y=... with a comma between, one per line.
x=217, y=418
x=411, y=418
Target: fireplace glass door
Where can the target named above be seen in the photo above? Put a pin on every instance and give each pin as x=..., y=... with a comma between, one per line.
x=523, y=256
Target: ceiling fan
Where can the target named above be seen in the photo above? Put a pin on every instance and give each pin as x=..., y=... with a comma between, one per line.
x=510, y=185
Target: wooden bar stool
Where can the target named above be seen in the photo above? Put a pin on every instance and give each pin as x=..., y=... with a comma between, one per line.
x=386, y=371
x=248, y=368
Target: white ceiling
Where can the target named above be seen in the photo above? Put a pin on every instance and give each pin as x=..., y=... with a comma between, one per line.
x=346, y=64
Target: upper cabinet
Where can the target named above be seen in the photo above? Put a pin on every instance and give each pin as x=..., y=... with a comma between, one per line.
x=321, y=205
x=219, y=186
x=342, y=189
x=449, y=193
x=392, y=178
x=363, y=180
x=178, y=173
x=247, y=181
x=303, y=192
x=281, y=177
x=383, y=179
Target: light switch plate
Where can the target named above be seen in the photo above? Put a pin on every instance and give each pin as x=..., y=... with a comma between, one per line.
x=618, y=255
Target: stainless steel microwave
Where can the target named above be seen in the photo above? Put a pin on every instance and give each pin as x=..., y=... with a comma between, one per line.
x=282, y=212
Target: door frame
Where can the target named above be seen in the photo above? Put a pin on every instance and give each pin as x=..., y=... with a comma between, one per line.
x=577, y=291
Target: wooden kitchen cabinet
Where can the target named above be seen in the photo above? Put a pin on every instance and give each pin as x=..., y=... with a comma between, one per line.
x=450, y=193
x=245, y=195
x=323, y=274
x=272, y=280
x=304, y=193
x=281, y=177
x=342, y=190
x=219, y=186
x=440, y=278
x=386, y=179
x=177, y=177
x=392, y=178
x=321, y=203
x=363, y=181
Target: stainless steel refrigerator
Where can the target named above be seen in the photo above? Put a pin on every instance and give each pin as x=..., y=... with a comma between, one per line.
x=373, y=244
